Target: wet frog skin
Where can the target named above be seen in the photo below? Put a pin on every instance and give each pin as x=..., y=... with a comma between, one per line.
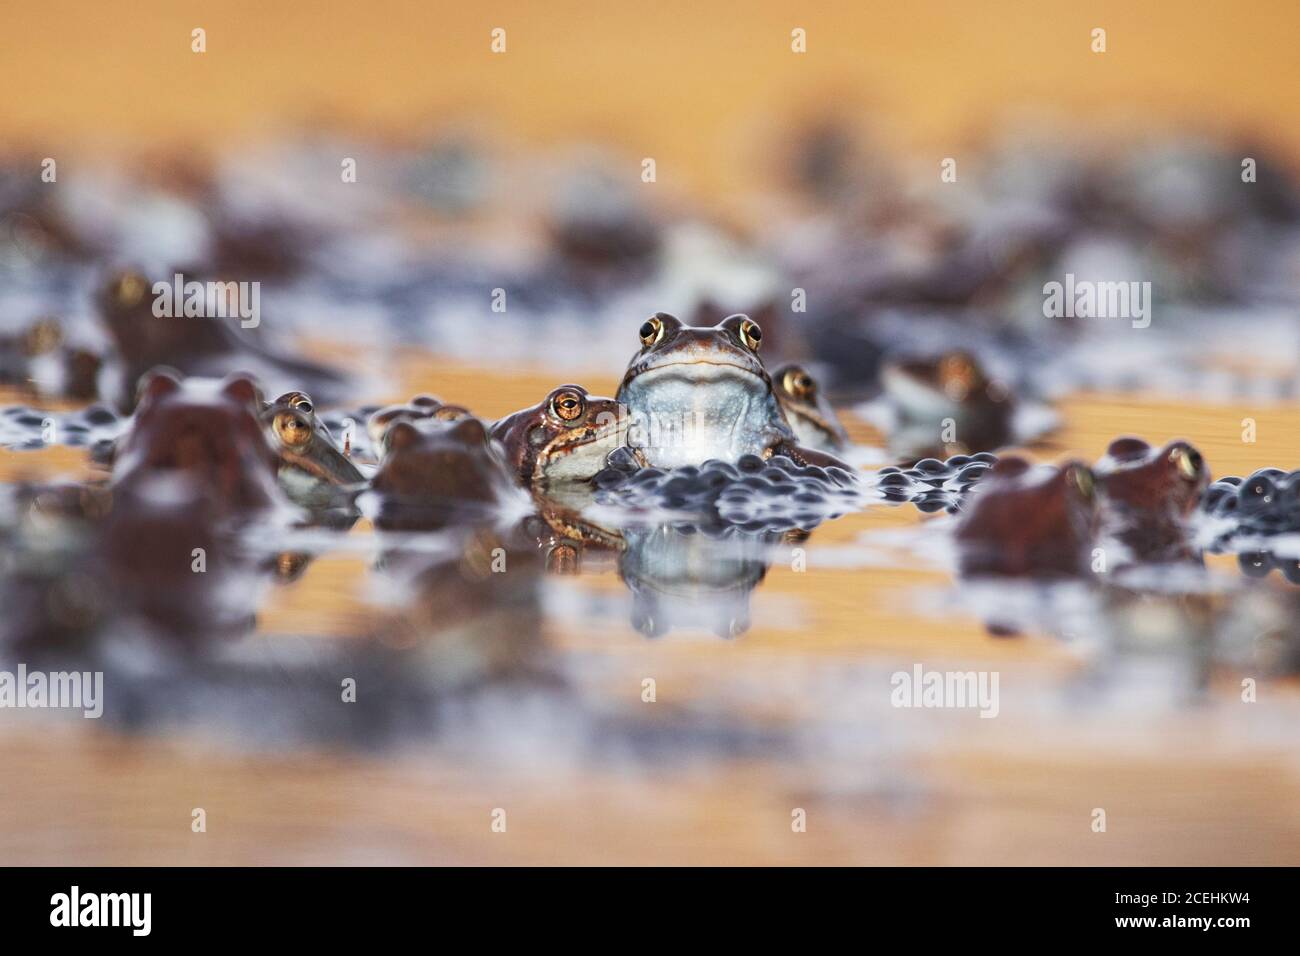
x=419, y=407
x=205, y=429
x=313, y=471
x=926, y=393
x=701, y=393
x=435, y=472
x=565, y=437
x=193, y=345
x=807, y=409
x=1149, y=495
x=1029, y=522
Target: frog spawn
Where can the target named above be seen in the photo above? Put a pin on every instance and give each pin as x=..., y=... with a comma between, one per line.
x=1263, y=505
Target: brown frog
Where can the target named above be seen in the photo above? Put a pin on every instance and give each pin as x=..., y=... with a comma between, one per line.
x=206, y=429
x=438, y=472
x=1031, y=522
x=809, y=412
x=564, y=437
x=1149, y=495
x=420, y=407
x=313, y=471
x=701, y=393
x=945, y=406
x=195, y=345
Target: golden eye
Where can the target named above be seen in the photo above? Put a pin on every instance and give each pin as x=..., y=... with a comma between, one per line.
x=799, y=383
x=130, y=289
x=1083, y=480
x=651, y=331
x=751, y=334
x=1188, y=461
x=292, y=429
x=568, y=406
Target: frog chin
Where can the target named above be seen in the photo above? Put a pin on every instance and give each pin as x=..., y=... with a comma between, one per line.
x=581, y=461
x=686, y=419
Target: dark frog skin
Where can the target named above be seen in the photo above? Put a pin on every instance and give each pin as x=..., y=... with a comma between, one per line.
x=925, y=392
x=194, y=345
x=701, y=393
x=313, y=471
x=435, y=473
x=807, y=410
x=1150, y=493
x=205, y=429
x=419, y=407
x=1028, y=522
x=564, y=437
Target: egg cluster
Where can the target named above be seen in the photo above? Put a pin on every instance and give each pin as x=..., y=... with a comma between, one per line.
x=753, y=495
x=933, y=485
x=1265, y=502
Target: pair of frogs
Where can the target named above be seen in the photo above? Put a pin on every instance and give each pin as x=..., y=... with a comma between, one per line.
x=1045, y=523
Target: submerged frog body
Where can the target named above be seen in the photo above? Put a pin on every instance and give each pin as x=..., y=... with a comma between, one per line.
x=202, y=346
x=1029, y=522
x=435, y=472
x=809, y=412
x=701, y=393
x=1149, y=495
x=926, y=395
x=565, y=437
x=207, y=429
x=313, y=471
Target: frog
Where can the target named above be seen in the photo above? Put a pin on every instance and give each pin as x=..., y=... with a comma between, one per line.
x=1028, y=522
x=698, y=393
x=436, y=473
x=205, y=428
x=313, y=472
x=202, y=346
x=419, y=407
x=926, y=395
x=808, y=411
x=565, y=437
x=1150, y=494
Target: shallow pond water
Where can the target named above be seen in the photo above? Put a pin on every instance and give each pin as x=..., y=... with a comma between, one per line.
x=735, y=739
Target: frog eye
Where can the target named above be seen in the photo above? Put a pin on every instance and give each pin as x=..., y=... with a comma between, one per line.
x=292, y=429
x=799, y=383
x=129, y=289
x=751, y=334
x=651, y=331
x=568, y=405
x=1083, y=480
x=1188, y=461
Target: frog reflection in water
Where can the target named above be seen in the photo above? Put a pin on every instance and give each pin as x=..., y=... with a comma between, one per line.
x=702, y=393
x=807, y=409
x=565, y=437
x=926, y=395
x=680, y=578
